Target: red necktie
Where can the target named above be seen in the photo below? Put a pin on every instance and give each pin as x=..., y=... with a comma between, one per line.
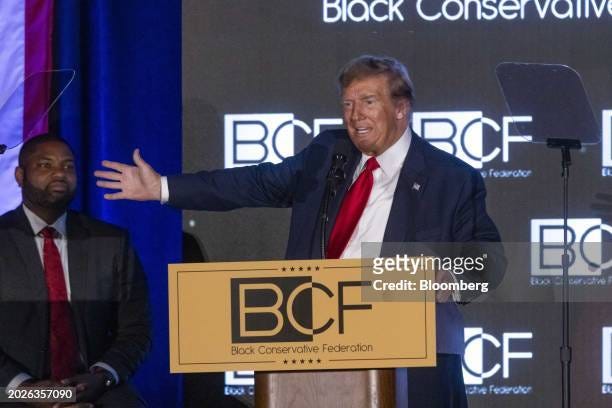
x=62, y=337
x=350, y=212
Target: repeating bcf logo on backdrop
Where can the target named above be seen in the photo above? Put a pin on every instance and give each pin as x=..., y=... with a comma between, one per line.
x=584, y=239
x=267, y=137
x=462, y=134
x=486, y=358
x=257, y=138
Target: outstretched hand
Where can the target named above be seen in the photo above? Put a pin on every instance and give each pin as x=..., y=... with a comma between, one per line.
x=140, y=182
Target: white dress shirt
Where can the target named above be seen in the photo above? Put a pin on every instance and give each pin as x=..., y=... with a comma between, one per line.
x=373, y=222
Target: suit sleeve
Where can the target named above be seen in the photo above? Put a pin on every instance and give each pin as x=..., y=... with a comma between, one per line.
x=10, y=323
x=132, y=339
x=264, y=185
x=9, y=369
x=478, y=236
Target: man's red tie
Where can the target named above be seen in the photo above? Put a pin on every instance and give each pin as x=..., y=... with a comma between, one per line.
x=350, y=212
x=62, y=337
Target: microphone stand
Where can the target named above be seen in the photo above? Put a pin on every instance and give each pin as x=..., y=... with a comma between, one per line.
x=566, y=351
x=335, y=176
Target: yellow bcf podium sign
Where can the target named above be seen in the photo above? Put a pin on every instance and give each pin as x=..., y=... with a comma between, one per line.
x=293, y=315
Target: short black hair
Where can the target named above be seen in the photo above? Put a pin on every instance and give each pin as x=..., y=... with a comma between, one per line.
x=365, y=66
x=30, y=146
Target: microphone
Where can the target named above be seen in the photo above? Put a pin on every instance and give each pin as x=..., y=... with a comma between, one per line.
x=2, y=148
x=335, y=176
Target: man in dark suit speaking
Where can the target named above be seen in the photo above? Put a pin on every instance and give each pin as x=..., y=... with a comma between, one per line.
x=398, y=188
x=74, y=307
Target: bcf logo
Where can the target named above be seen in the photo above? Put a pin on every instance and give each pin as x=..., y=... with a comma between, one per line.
x=267, y=137
x=461, y=134
x=584, y=237
x=475, y=370
x=280, y=309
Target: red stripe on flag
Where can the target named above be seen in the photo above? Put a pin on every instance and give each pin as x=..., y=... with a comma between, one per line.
x=38, y=58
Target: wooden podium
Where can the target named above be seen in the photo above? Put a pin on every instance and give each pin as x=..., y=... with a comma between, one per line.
x=332, y=389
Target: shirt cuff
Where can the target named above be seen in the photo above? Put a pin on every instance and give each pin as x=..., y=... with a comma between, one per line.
x=456, y=293
x=165, y=192
x=18, y=380
x=107, y=368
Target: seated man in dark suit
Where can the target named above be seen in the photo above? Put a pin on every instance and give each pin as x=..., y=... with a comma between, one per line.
x=74, y=308
x=398, y=188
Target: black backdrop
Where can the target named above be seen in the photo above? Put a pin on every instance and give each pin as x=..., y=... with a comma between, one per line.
x=263, y=57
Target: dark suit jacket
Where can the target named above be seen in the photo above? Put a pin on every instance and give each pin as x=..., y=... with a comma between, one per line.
x=448, y=206
x=109, y=298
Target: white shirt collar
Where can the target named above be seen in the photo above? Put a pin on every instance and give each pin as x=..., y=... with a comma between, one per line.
x=392, y=159
x=38, y=224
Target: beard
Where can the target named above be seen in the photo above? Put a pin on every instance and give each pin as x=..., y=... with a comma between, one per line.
x=45, y=197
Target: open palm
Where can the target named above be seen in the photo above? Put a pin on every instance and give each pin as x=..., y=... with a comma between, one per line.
x=140, y=182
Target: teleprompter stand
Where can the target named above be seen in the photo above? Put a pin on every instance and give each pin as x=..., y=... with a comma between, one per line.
x=555, y=99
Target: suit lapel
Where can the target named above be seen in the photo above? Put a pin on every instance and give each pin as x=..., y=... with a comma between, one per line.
x=23, y=237
x=78, y=249
x=401, y=225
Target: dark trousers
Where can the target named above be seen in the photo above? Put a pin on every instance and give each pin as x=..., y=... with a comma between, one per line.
x=437, y=387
